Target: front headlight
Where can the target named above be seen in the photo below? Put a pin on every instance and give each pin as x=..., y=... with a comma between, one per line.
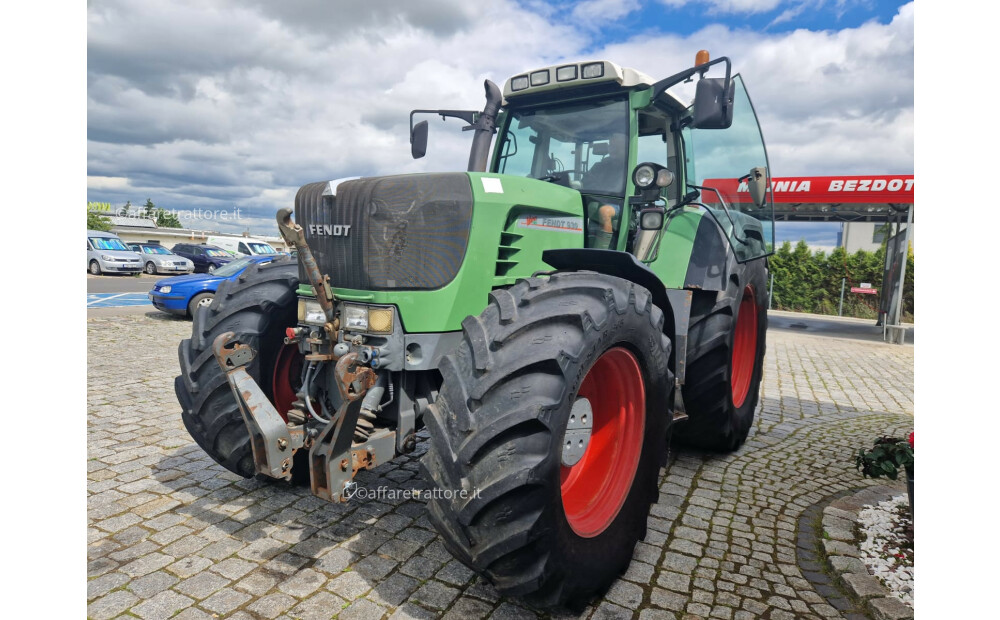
x=165, y=289
x=106, y=257
x=367, y=319
x=356, y=318
x=311, y=312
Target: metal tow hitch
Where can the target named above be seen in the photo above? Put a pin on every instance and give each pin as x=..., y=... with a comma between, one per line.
x=272, y=440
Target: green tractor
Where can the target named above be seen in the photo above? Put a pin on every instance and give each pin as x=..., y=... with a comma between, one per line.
x=545, y=318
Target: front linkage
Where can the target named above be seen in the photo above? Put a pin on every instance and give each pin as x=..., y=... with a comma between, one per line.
x=335, y=454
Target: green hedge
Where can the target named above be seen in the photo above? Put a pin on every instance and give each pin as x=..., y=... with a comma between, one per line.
x=810, y=282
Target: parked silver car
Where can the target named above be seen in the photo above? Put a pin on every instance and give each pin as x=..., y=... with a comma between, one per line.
x=158, y=259
x=107, y=253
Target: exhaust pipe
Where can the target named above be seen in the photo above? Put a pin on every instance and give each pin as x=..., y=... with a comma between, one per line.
x=484, y=128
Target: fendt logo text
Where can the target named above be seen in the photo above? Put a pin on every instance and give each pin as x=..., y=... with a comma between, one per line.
x=330, y=230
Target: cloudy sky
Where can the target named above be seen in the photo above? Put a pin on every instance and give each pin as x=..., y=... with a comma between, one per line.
x=219, y=104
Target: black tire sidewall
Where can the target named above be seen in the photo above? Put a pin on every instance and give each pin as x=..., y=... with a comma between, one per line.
x=150, y=268
x=95, y=268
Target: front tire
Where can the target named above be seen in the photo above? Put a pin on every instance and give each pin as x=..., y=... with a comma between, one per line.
x=257, y=307
x=533, y=525
x=95, y=268
x=151, y=268
x=725, y=360
x=199, y=301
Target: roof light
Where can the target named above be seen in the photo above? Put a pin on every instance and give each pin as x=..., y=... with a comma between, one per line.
x=519, y=83
x=593, y=70
x=701, y=57
x=565, y=74
x=540, y=78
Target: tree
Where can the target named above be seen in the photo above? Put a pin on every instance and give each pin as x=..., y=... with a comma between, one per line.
x=150, y=209
x=124, y=210
x=98, y=222
x=167, y=220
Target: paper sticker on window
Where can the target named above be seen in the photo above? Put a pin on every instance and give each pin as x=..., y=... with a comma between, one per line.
x=568, y=224
x=492, y=185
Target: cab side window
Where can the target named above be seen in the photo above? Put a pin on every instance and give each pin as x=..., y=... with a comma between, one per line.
x=243, y=248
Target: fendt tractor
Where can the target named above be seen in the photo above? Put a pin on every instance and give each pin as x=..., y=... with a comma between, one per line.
x=536, y=325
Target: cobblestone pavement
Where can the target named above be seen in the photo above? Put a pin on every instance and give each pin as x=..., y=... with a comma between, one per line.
x=172, y=534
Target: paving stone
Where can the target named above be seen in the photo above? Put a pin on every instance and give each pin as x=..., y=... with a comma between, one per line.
x=362, y=609
x=890, y=609
x=272, y=605
x=864, y=586
x=625, y=594
x=843, y=564
x=162, y=606
x=320, y=606
x=104, y=584
x=468, y=609
x=435, y=595
x=202, y=585
x=151, y=584
x=303, y=583
x=394, y=590
x=111, y=605
x=185, y=567
x=257, y=583
x=225, y=601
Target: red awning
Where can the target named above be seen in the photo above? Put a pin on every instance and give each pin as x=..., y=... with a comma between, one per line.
x=867, y=189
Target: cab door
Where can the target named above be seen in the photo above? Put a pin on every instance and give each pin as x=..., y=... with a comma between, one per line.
x=715, y=162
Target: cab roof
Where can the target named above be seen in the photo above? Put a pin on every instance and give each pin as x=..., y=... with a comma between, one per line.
x=576, y=75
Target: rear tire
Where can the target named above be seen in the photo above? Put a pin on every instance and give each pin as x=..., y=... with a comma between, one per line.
x=257, y=307
x=726, y=343
x=499, y=425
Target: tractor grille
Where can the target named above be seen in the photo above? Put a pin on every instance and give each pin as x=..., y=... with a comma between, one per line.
x=406, y=232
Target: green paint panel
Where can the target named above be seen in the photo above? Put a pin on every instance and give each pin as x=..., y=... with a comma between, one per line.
x=671, y=262
x=513, y=221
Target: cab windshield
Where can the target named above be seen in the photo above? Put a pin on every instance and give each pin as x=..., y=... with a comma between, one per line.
x=217, y=253
x=262, y=248
x=109, y=243
x=233, y=268
x=583, y=145
x=155, y=249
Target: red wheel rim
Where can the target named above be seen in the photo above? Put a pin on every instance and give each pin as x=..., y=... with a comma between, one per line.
x=744, y=347
x=594, y=489
x=287, y=373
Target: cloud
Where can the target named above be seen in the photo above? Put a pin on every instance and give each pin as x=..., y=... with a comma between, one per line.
x=107, y=183
x=717, y=7
x=218, y=104
x=597, y=11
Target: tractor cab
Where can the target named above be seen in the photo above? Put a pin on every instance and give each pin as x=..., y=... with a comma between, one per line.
x=590, y=126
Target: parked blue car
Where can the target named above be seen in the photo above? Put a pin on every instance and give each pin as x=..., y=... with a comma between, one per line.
x=183, y=294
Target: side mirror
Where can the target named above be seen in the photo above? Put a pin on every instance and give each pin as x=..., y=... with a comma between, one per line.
x=713, y=104
x=757, y=184
x=418, y=140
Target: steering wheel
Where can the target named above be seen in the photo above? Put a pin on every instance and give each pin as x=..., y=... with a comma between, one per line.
x=560, y=177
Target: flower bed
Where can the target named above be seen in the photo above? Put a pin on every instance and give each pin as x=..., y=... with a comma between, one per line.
x=886, y=545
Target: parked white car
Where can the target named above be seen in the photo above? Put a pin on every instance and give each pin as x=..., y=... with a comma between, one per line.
x=107, y=253
x=158, y=259
x=243, y=246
